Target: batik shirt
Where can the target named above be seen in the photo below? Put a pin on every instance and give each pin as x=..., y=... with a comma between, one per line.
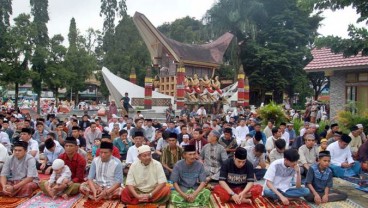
x=213, y=155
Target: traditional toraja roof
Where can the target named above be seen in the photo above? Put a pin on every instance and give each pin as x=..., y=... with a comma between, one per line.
x=210, y=54
x=324, y=59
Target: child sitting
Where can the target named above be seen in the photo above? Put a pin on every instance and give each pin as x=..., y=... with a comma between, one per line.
x=323, y=145
x=319, y=181
x=96, y=146
x=60, y=181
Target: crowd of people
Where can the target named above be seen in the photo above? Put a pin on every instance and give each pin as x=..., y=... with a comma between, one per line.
x=133, y=159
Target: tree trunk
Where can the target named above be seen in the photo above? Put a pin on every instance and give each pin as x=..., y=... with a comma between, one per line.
x=16, y=95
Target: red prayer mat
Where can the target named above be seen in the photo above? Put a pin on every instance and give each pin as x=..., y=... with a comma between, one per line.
x=259, y=202
x=11, y=202
x=88, y=203
x=43, y=177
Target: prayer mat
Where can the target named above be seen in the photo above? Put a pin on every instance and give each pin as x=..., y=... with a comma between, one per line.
x=259, y=202
x=340, y=204
x=41, y=200
x=11, y=202
x=338, y=182
x=149, y=205
x=88, y=203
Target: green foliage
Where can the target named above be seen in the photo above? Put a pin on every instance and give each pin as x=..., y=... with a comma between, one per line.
x=298, y=124
x=5, y=12
x=358, y=41
x=186, y=30
x=322, y=125
x=273, y=37
x=129, y=51
x=272, y=111
x=354, y=114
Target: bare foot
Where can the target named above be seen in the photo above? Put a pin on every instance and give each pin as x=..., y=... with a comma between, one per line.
x=65, y=196
x=246, y=201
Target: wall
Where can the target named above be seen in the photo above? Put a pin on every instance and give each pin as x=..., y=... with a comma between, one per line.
x=337, y=93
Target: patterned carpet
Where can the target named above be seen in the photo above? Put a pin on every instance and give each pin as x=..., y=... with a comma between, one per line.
x=11, y=202
x=259, y=202
x=87, y=203
x=41, y=200
x=341, y=204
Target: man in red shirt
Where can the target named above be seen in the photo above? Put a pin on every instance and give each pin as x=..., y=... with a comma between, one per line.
x=75, y=161
x=115, y=150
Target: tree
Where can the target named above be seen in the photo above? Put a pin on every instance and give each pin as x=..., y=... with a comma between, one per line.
x=273, y=39
x=109, y=8
x=318, y=81
x=185, y=30
x=358, y=41
x=19, y=49
x=5, y=13
x=78, y=61
x=56, y=74
x=39, y=10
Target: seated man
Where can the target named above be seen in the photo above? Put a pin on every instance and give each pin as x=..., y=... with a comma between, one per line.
x=213, y=155
x=319, y=181
x=105, y=176
x=278, y=151
x=146, y=181
x=236, y=179
x=52, y=152
x=342, y=163
x=122, y=143
x=308, y=153
x=278, y=178
x=3, y=156
x=189, y=178
x=19, y=175
x=171, y=154
x=75, y=161
x=228, y=142
x=256, y=156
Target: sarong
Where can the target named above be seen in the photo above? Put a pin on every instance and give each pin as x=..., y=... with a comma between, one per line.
x=160, y=197
x=86, y=191
x=255, y=191
x=24, y=191
x=202, y=199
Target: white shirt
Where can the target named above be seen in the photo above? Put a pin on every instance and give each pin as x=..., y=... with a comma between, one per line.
x=338, y=155
x=3, y=153
x=279, y=175
x=51, y=156
x=240, y=133
x=302, y=131
x=286, y=137
x=132, y=155
x=33, y=146
x=201, y=112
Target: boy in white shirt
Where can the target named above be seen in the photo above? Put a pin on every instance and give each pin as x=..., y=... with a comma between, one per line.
x=278, y=178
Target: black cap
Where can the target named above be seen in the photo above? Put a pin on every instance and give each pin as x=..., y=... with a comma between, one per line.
x=189, y=148
x=49, y=143
x=26, y=130
x=75, y=128
x=324, y=153
x=346, y=138
x=106, y=145
x=354, y=128
x=21, y=144
x=138, y=133
x=173, y=135
x=71, y=140
x=228, y=130
x=107, y=136
x=241, y=153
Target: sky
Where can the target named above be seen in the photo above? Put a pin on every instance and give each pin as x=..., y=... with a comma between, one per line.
x=86, y=14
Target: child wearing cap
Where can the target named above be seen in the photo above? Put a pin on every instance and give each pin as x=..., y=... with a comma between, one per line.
x=319, y=181
x=323, y=145
x=60, y=181
x=185, y=140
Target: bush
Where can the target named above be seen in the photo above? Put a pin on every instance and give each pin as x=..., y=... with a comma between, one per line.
x=274, y=112
x=347, y=119
x=298, y=124
x=322, y=125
